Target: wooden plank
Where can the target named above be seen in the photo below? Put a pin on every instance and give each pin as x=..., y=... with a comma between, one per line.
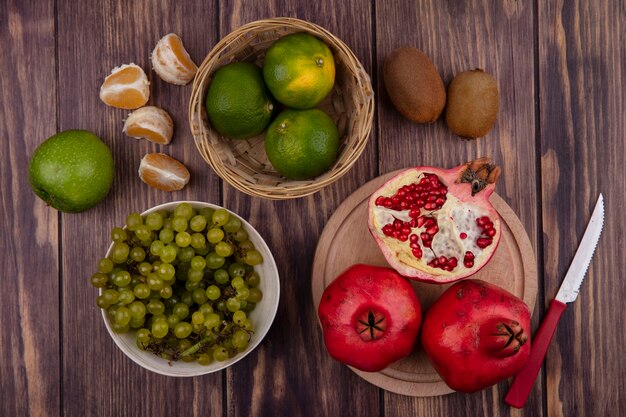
x=29, y=335
x=583, y=83
x=459, y=36
x=94, y=37
x=290, y=372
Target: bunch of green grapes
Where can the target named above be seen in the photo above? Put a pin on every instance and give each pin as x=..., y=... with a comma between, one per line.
x=185, y=281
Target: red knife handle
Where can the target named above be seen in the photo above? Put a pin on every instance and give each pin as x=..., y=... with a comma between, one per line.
x=525, y=379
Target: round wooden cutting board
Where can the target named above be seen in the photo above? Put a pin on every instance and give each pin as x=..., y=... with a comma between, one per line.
x=346, y=241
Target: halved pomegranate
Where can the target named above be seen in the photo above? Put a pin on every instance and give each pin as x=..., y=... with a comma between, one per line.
x=437, y=225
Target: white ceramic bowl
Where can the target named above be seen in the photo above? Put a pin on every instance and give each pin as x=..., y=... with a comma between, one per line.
x=262, y=316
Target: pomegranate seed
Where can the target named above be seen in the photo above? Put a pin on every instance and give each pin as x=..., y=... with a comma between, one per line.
x=488, y=226
x=482, y=242
x=420, y=221
x=404, y=205
x=463, y=235
x=430, y=206
x=491, y=232
x=427, y=243
x=440, y=201
x=430, y=222
x=395, y=234
x=380, y=200
x=481, y=221
x=443, y=260
x=432, y=230
x=419, y=203
x=468, y=264
x=395, y=200
x=406, y=230
x=413, y=238
x=414, y=214
x=431, y=198
x=397, y=224
x=413, y=223
x=424, y=181
x=403, y=238
x=387, y=203
x=401, y=192
x=434, y=262
x=452, y=262
x=414, y=245
x=425, y=237
x=417, y=253
x=448, y=268
x=469, y=255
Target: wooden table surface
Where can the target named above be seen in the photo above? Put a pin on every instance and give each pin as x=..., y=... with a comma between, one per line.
x=561, y=68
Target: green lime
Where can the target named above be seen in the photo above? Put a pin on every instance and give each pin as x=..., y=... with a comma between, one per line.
x=72, y=170
x=302, y=144
x=238, y=103
x=299, y=70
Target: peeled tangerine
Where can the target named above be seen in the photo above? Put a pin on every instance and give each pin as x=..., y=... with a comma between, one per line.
x=151, y=123
x=437, y=225
x=163, y=172
x=127, y=87
x=172, y=62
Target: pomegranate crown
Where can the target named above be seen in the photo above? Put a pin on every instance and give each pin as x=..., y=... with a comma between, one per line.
x=479, y=173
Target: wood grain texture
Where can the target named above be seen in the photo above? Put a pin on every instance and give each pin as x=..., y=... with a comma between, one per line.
x=583, y=121
x=29, y=309
x=290, y=373
x=458, y=36
x=94, y=37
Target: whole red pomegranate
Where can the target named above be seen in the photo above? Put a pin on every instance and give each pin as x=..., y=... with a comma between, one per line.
x=370, y=317
x=437, y=225
x=476, y=334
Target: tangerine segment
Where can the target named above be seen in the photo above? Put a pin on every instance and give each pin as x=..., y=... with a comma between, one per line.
x=127, y=87
x=163, y=172
x=151, y=123
x=172, y=62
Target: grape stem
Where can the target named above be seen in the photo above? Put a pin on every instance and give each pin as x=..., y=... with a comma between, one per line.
x=193, y=349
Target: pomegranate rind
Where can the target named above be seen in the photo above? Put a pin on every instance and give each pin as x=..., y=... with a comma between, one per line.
x=398, y=254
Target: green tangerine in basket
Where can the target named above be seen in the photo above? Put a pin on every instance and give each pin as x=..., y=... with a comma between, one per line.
x=185, y=281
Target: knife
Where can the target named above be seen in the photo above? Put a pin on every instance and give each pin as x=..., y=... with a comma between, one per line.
x=525, y=379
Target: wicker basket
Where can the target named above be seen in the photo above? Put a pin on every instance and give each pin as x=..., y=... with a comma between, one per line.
x=243, y=163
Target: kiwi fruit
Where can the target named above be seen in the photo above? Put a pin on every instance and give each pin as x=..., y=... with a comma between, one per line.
x=414, y=85
x=473, y=103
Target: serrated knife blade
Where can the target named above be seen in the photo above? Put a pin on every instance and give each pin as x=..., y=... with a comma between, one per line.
x=525, y=379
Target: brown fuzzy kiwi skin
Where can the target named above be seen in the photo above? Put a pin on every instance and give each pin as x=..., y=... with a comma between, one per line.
x=473, y=104
x=414, y=85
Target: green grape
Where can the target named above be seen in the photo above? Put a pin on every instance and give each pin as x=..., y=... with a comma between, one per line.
x=112, y=309
x=155, y=282
x=105, y=265
x=253, y=279
x=156, y=247
x=119, y=328
x=214, y=261
x=126, y=297
x=168, y=253
x=179, y=224
x=118, y=234
x=204, y=250
x=220, y=217
x=183, y=239
x=181, y=310
x=168, y=222
x=143, y=233
x=255, y=295
x=197, y=317
x=243, y=293
x=154, y=221
x=119, y=252
x=133, y=221
x=143, y=335
x=197, y=328
x=137, y=254
x=204, y=359
x=244, y=306
x=122, y=316
x=166, y=271
x=146, y=243
x=219, y=353
x=191, y=286
x=199, y=296
x=221, y=276
x=233, y=304
x=166, y=292
x=197, y=223
x=247, y=325
x=198, y=241
x=144, y=268
x=99, y=280
x=166, y=235
x=224, y=249
x=232, y=225
x=221, y=305
x=198, y=263
x=236, y=270
x=137, y=323
x=102, y=302
x=137, y=309
x=160, y=328
x=141, y=291
x=237, y=283
x=246, y=246
x=111, y=296
x=193, y=275
x=186, y=298
x=205, y=309
x=155, y=307
x=240, y=339
x=240, y=235
x=253, y=257
x=121, y=279
x=184, y=210
x=239, y=317
x=172, y=320
x=186, y=254
x=182, y=330
x=213, y=292
x=215, y=235
x=212, y=320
